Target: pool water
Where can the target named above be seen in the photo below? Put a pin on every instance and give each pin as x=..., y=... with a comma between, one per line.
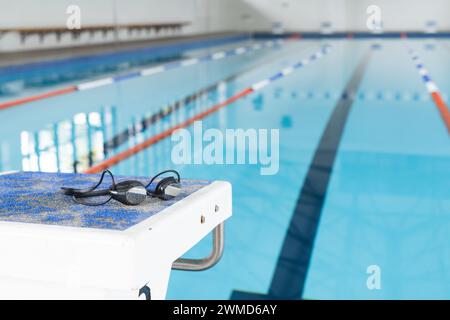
x=363, y=180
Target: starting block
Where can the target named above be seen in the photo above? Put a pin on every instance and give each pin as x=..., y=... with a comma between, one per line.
x=53, y=248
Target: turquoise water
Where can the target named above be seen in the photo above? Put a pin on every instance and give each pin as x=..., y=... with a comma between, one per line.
x=388, y=197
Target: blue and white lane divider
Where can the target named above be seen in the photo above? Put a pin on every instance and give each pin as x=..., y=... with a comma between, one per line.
x=178, y=64
x=287, y=71
x=143, y=73
x=105, y=164
x=430, y=85
x=432, y=89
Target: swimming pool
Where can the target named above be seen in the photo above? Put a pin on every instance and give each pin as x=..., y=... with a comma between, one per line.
x=363, y=174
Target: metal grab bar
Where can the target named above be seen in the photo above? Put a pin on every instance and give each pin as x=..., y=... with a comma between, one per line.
x=206, y=263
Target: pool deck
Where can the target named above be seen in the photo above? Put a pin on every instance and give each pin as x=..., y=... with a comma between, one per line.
x=30, y=56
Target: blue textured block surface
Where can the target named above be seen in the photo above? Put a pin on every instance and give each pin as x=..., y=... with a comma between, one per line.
x=34, y=197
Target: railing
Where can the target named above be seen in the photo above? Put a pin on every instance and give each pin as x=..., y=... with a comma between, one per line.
x=42, y=32
x=211, y=260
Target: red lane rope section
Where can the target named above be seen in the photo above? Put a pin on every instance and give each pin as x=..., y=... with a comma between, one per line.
x=443, y=109
x=14, y=103
x=155, y=139
x=438, y=101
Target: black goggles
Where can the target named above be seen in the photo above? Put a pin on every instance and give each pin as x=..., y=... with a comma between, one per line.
x=129, y=192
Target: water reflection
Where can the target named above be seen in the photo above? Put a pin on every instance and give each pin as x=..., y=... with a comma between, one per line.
x=75, y=144
x=70, y=145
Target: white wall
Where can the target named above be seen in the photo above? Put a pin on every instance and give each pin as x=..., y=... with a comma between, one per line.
x=401, y=14
x=204, y=15
x=214, y=15
x=34, y=13
x=217, y=15
x=307, y=15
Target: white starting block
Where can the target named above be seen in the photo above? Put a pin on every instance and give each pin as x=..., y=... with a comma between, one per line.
x=52, y=248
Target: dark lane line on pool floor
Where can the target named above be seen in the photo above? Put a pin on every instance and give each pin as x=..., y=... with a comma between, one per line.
x=288, y=281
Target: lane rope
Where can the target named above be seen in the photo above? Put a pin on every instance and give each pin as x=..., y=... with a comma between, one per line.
x=142, y=125
x=253, y=88
x=144, y=72
x=432, y=89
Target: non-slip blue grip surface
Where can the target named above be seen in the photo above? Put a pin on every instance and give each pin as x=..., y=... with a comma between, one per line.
x=32, y=197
